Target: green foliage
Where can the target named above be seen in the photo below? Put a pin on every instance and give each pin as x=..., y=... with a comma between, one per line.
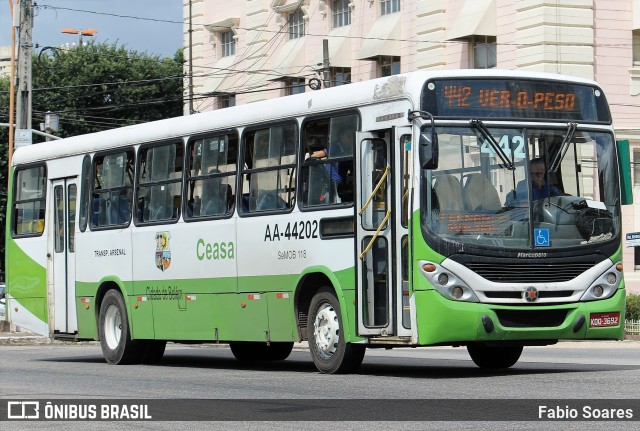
x=94, y=87
x=633, y=307
x=100, y=86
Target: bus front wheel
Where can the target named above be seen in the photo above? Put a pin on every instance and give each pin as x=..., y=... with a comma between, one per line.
x=115, y=337
x=494, y=357
x=329, y=350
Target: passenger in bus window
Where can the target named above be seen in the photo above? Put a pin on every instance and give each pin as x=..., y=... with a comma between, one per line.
x=340, y=173
x=341, y=147
x=539, y=187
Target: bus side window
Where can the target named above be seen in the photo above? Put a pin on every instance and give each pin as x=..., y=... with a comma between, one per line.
x=327, y=176
x=269, y=169
x=29, y=204
x=111, y=198
x=211, y=176
x=160, y=182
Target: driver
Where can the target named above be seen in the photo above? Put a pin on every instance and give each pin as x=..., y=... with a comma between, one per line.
x=539, y=187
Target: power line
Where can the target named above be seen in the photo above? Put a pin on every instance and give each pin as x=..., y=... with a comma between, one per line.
x=323, y=35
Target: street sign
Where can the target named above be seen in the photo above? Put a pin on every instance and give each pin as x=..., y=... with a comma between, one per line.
x=633, y=239
x=23, y=137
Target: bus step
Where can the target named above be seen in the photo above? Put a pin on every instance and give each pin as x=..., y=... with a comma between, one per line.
x=391, y=340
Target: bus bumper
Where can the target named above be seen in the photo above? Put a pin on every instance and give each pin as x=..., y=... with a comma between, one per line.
x=443, y=321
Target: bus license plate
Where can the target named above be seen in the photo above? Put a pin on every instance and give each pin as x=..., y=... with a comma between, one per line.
x=604, y=319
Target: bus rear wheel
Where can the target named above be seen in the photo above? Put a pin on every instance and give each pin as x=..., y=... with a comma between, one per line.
x=250, y=351
x=115, y=337
x=330, y=352
x=494, y=357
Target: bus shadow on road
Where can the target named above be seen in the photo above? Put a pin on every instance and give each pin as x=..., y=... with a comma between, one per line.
x=300, y=361
x=447, y=369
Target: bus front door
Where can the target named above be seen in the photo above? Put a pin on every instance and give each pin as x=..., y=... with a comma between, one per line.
x=62, y=298
x=379, y=234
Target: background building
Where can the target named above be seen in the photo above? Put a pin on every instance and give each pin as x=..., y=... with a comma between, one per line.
x=5, y=61
x=245, y=51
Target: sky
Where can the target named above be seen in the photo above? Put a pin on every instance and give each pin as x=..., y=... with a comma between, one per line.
x=141, y=33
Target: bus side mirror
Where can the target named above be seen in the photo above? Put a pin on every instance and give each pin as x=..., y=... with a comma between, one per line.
x=624, y=165
x=428, y=150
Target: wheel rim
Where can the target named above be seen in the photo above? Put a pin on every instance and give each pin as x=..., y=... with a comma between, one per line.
x=112, y=327
x=326, y=330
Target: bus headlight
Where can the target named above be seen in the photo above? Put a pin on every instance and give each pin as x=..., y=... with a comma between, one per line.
x=604, y=286
x=447, y=283
x=597, y=291
x=457, y=292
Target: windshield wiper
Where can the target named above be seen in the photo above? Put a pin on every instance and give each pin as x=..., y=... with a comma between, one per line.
x=571, y=130
x=479, y=125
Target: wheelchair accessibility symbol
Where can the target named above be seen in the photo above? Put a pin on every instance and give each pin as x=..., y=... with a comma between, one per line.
x=541, y=237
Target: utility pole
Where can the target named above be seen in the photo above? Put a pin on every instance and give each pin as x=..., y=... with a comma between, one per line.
x=190, y=58
x=325, y=63
x=12, y=92
x=23, y=110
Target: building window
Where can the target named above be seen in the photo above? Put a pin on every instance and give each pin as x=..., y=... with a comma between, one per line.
x=294, y=86
x=228, y=43
x=226, y=101
x=636, y=47
x=341, y=13
x=340, y=76
x=389, y=6
x=296, y=24
x=389, y=65
x=483, y=52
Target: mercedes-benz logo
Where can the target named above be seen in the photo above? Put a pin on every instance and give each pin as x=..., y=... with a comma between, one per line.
x=531, y=294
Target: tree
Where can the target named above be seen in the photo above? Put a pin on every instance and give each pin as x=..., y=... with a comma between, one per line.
x=94, y=87
x=100, y=86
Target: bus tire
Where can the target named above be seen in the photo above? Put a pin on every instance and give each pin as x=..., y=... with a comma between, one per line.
x=494, y=357
x=330, y=353
x=251, y=351
x=115, y=337
x=153, y=351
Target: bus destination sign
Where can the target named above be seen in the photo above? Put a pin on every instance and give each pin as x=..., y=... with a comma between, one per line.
x=490, y=98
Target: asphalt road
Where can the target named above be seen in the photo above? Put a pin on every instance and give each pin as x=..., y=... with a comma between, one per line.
x=603, y=370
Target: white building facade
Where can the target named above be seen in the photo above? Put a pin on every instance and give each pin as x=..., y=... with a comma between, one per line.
x=244, y=51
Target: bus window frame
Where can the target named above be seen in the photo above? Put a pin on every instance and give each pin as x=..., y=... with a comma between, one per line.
x=187, y=177
x=92, y=178
x=301, y=160
x=136, y=181
x=83, y=208
x=241, y=171
x=14, y=202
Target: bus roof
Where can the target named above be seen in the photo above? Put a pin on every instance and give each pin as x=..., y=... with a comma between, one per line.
x=356, y=94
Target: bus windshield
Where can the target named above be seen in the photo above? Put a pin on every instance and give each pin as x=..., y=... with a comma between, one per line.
x=557, y=188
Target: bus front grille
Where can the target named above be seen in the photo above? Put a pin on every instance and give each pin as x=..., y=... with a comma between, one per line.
x=531, y=318
x=537, y=273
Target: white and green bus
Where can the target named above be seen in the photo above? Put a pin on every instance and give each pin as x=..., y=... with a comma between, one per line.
x=397, y=212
